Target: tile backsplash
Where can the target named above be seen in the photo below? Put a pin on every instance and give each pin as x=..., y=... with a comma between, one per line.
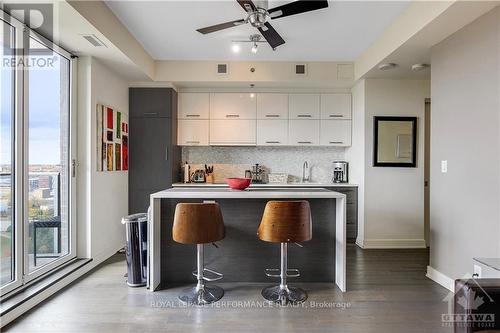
x=274, y=159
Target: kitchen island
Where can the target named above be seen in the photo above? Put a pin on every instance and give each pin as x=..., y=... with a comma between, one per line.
x=241, y=256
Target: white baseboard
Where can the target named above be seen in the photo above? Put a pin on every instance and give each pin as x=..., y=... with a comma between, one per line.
x=440, y=278
x=392, y=243
x=32, y=302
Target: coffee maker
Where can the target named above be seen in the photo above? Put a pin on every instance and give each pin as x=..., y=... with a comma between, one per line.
x=340, y=172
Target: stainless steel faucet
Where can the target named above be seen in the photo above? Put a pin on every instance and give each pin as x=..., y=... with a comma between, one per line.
x=305, y=172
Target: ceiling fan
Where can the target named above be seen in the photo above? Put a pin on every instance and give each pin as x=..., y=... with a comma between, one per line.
x=258, y=15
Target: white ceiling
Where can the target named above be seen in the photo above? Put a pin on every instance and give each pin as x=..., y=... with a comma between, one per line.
x=341, y=32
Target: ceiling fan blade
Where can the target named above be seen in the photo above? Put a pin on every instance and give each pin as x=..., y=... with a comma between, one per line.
x=220, y=26
x=297, y=7
x=247, y=5
x=272, y=36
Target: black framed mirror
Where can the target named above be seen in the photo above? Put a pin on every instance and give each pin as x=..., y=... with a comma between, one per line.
x=395, y=141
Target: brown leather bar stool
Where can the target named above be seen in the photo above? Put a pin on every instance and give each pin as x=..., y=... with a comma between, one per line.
x=199, y=223
x=285, y=222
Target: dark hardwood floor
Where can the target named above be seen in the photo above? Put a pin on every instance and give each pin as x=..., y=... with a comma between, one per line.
x=388, y=292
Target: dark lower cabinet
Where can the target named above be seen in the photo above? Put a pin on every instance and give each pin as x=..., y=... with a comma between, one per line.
x=351, y=193
x=154, y=157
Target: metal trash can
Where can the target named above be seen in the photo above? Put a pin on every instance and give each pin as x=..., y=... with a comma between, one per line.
x=136, y=249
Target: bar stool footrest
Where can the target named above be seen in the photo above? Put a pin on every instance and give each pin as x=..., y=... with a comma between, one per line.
x=276, y=272
x=212, y=276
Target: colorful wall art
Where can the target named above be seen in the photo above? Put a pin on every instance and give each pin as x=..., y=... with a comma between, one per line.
x=112, y=139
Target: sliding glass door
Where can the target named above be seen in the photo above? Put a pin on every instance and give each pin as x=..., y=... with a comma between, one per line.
x=48, y=151
x=37, y=212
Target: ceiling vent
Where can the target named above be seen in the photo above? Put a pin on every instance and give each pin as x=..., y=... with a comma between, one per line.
x=301, y=69
x=222, y=69
x=94, y=40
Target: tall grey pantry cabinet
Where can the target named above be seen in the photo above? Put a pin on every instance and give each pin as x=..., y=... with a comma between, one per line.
x=154, y=157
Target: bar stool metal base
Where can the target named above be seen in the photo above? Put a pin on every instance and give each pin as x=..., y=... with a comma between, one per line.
x=284, y=296
x=202, y=296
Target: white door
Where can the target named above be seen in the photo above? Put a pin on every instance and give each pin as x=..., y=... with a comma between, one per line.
x=303, y=132
x=272, y=106
x=233, y=106
x=192, y=132
x=233, y=132
x=335, y=106
x=193, y=105
x=272, y=132
x=304, y=106
x=335, y=133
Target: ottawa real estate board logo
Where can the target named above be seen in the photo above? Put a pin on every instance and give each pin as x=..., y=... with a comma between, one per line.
x=470, y=307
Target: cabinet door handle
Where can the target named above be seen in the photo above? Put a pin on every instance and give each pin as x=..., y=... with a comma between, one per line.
x=150, y=113
x=304, y=116
x=335, y=116
x=232, y=115
x=192, y=115
x=273, y=142
x=193, y=142
x=272, y=115
x=304, y=142
x=334, y=142
x=166, y=154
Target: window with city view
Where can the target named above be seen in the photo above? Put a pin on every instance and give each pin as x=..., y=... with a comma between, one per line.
x=36, y=222
x=48, y=145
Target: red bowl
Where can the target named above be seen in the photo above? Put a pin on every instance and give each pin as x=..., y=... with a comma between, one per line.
x=238, y=183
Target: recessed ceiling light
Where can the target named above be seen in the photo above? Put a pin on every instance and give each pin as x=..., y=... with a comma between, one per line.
x=236, y=48
x=387, y=66
x=419, y=67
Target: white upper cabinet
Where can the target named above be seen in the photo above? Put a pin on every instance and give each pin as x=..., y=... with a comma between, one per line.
x=272, y=132
x=304, y=106
x=232, y=132
x=303, y=132
x=192, y=132
x=335, y=133
x=193, y=105
x=272, y=106
x=233, y=106
x=335, y=106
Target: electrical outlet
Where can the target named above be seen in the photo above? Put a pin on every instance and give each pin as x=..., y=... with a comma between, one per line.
x=444, y=166
x=477, y=271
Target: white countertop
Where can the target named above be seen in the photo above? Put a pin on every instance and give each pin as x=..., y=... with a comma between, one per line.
x=251, y=193
x=267, y=185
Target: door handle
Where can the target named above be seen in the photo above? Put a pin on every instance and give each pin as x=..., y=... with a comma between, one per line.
x=335, y=116
x=166, y=153
x=232, y=115
x=272, y=115
x=192, y=115
x=304, y=116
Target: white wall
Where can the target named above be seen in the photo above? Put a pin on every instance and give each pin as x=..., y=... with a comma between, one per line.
x=102, y=196
x=393, y=197
x=465, y=131
x=356, y=153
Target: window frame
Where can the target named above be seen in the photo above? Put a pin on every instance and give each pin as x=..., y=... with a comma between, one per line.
x=21, y=162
